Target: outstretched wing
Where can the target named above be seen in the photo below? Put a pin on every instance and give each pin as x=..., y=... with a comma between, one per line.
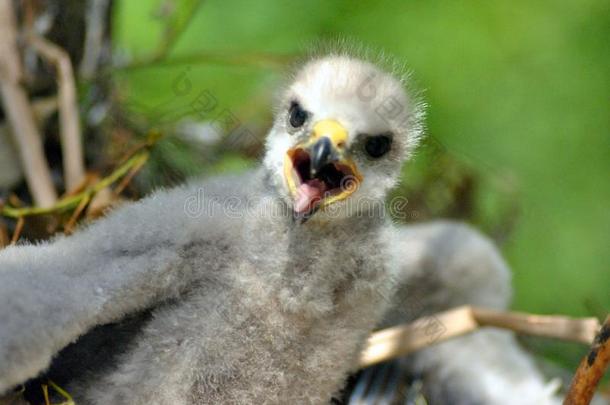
x=138, y=256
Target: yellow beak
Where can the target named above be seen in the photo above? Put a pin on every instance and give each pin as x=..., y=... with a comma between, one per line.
x=327, y=145
x=332, y=130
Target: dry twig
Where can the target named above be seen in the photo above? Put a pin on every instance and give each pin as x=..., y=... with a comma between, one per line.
x=591, y=369
x=69, y=226
x=18, y=230
x=59, y=390
x=4, y=238
x=402, y=340
x=127, y=179
x=69, y=119
x=72, y=201
x=556, y=327
x=94, y=37
x=19, y=112
x=102, y=200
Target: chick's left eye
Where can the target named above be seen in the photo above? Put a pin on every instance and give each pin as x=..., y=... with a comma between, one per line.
x=298, y=116
x=377, y=146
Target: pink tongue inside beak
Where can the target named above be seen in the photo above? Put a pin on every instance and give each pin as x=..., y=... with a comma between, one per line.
x=307, y=195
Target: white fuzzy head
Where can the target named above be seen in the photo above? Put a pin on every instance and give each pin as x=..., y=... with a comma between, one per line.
x=345, y=113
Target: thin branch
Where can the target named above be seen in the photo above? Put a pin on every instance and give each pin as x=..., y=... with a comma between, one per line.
x=591, y=369
x=426, y=331
x=256, y=59
x=45, y=394
x=43, y=108
x=94, y=37
x=69, y=118
x=4, y=238
x=63, y=393
x=102, y=200
x=69, y=227
x=556, y=327
x=19, y=113
x=404, y=339
x=128, y=178
x=173, y=32
x=18, y=230
x=134, y=159
x=72, y=201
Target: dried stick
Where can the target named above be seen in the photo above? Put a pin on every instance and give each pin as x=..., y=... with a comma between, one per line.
x=72, y=201
x=404, y=339
x=45, y=394
x=19, y=113
x=557, y=327
x=18, y=230
x=4, y=238
x=69, y=227
x=591, y=369
x=43, y=108
x=134, y=159
x=69, y=119
x=94, y=37
x=128, y=178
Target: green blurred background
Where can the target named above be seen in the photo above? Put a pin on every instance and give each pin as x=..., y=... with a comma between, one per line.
x=518, y=119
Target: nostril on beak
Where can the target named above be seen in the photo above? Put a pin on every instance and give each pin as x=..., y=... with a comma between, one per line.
x=321, y=154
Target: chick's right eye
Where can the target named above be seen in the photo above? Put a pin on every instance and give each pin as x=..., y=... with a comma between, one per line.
x=297, y=115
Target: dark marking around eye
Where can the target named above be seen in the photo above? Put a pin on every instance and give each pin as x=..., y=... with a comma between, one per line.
x=378, y=145
x=297, y=115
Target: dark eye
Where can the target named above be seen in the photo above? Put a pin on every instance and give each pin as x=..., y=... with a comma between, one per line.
x=377, y=146
x=298, y=116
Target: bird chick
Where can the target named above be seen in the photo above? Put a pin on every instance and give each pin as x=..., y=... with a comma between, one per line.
x=259, y=288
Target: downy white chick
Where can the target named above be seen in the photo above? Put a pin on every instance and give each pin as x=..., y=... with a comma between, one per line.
x=258, y=288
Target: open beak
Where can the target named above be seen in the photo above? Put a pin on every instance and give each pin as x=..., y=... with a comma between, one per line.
x=318, y=172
